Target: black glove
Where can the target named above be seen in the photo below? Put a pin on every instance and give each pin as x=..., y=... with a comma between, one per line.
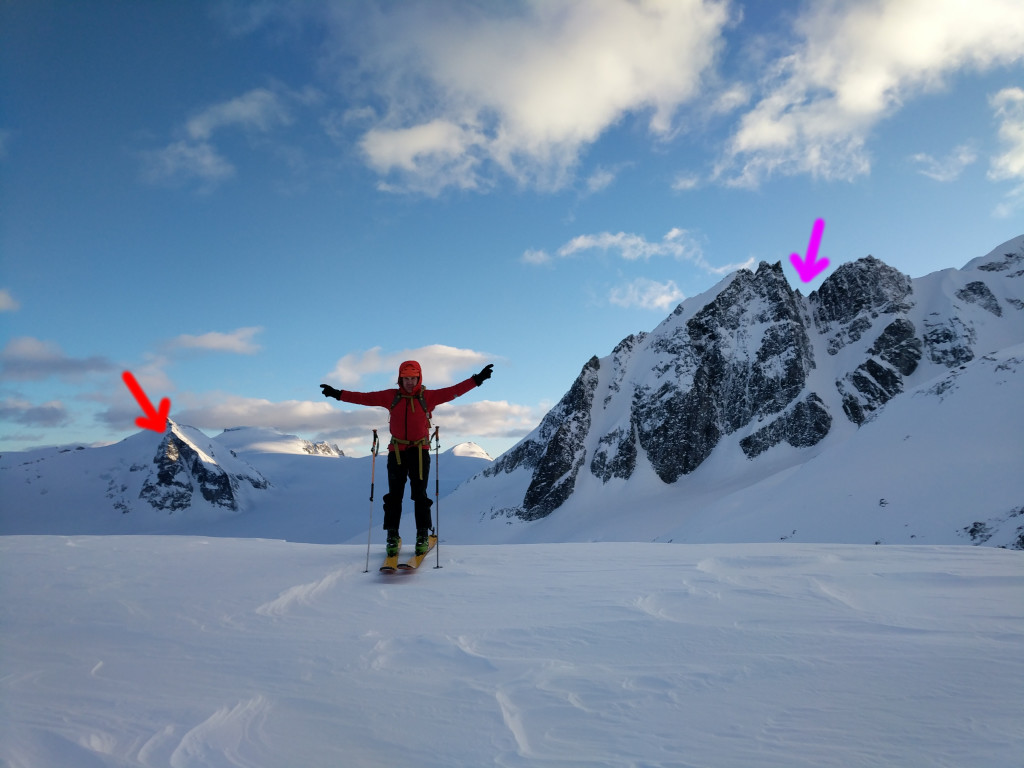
x=484, y=375
x=330, y=391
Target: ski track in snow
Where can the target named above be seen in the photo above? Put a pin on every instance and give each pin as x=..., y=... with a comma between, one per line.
x=195, y=653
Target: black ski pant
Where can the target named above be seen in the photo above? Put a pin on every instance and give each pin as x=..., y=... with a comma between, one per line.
x=409, y=468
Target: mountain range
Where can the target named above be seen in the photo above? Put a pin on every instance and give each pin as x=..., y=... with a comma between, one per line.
x=880, y=408
x=245, y=482
x=803, y=416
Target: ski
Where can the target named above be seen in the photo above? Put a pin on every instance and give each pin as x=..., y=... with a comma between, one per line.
x=414, y=562
x=391, y=561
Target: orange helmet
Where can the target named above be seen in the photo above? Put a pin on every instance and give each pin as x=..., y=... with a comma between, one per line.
x=410, y=368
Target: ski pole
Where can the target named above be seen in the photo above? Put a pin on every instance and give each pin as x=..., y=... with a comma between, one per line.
x=437, y=495
x=373, y=469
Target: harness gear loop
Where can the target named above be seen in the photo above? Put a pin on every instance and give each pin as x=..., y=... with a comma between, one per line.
x=423, y=445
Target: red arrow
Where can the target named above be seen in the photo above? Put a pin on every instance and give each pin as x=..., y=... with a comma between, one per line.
x=154, y=419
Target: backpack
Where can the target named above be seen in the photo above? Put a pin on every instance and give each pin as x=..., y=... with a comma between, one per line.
x=419, y=396
x=425, y=442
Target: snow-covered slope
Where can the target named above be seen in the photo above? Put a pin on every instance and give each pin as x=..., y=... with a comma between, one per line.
x=941, y=465
x=172, y=482
x=754, y=413
x=245, y=482
x=208, y=653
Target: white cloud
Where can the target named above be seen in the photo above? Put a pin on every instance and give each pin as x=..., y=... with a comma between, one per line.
x=29, y=359
x=442, y=365
x=684, y=182
x=857, y=63
x=185, y=160
x=214, y=411
x=7, y=301
x=647, y=294
x=487, y=418
x=677, y=244
x=532, y=256
x=437, y=154
x=196, y=157
x=239, y=342
x=1009, y=108
x=948, y=168
x=600, y=179
x=257, y=110
x=473, y=88
x=49, y=414
x=350, y=426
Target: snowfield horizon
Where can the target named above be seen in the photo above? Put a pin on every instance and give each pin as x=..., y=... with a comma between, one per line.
x=196, y=652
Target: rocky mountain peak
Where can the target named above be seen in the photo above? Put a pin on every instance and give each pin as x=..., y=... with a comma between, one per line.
x=858, y=287
x=186, y=468
x=739, y=366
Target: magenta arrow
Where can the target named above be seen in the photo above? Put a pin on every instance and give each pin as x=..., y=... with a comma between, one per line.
x=811, y=267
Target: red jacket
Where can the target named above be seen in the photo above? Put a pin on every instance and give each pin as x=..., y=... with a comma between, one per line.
x=408, y=421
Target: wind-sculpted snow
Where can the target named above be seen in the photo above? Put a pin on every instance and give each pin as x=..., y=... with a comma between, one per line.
x=202, y=653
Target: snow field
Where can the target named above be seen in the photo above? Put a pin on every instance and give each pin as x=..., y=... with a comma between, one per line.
x=189, y=652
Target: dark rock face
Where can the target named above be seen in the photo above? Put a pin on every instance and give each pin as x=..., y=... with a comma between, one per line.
x=677, y=429
x=744, y=363
x=979, y=293
x=556, y=453
x=750, y=356
x=615, y=455
x=806, y=424
x=854, y=295
x=179, y=472
x=899, y=346
x=1010, y=262
x=555, y=475
x=948, y=341
x=894, y=355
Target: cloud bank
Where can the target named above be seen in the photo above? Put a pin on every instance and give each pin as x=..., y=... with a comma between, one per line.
x=462, y=89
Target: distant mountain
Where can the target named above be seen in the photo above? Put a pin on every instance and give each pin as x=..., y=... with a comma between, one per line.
x=247, y=482
x=471, y=450
x=187, y=466
x=755, y=376
x=261, y=440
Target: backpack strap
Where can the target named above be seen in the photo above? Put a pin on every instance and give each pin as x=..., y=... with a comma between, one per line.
x=419, y=396
x=423, y=444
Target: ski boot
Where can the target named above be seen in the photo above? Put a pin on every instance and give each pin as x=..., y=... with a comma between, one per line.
x=393, y=545
x=422, y=541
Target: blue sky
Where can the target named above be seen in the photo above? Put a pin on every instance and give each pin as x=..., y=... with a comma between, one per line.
x=240, y=201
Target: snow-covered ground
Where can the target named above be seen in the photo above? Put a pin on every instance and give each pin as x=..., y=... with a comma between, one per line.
x=254, y=631
x=187, y=652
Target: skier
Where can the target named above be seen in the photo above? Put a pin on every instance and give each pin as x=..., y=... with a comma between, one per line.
x=409, y=450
